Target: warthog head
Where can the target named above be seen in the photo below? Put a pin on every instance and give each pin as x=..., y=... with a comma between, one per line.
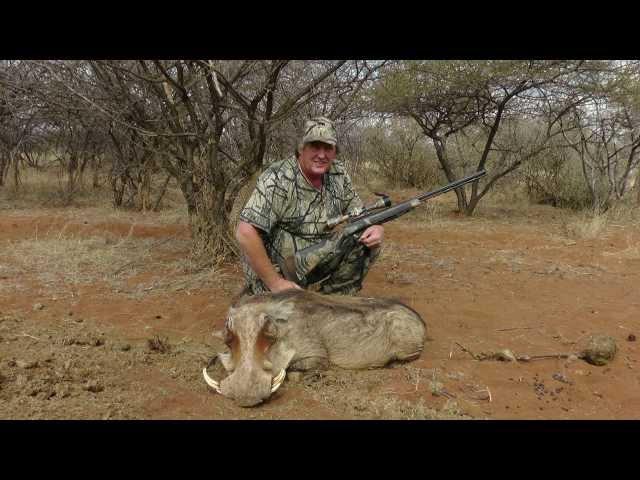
x=256, y=361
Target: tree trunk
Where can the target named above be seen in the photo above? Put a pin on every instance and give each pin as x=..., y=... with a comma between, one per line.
x=444, y=162
x=473, y=203
x=72, y=173
x=213, y=242
x=204, y=193
x=14, y=161
x=95, y=167
x=4, y=163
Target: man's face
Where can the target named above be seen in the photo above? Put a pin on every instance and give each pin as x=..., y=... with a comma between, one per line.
x=316, y=159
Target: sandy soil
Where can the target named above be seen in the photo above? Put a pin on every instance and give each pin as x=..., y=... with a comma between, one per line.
x=103, y=319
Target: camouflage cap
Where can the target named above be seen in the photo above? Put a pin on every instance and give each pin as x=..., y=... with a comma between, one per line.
x=319, y=129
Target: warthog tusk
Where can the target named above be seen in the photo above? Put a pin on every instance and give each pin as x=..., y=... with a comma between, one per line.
x=211, y=382
x=277, y=380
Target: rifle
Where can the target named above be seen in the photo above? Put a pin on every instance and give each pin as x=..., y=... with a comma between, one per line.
x=316, y=262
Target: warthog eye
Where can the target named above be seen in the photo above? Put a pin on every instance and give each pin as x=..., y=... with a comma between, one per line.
x=269, y=330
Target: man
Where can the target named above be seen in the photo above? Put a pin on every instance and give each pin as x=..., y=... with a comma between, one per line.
x=288, y=211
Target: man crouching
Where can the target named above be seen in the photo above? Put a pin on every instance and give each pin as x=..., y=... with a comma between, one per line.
x=288, y=211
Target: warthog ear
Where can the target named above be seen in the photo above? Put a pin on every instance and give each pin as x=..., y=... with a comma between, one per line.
x=270, y=329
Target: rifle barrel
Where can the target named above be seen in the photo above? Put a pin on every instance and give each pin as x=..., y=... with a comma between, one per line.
x=453, y=185
x=400, y=209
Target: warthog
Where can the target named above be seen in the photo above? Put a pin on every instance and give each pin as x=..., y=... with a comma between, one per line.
x=300, y=330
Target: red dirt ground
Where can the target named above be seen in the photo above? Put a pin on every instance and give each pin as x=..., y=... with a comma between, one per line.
x=493, y=282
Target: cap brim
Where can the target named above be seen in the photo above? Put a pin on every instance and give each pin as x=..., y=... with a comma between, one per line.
x=323, y=140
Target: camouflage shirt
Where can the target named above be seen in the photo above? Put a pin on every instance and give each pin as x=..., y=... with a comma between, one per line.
x=291, y=214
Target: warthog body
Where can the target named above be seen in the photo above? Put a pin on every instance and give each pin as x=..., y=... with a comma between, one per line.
x=300, y=330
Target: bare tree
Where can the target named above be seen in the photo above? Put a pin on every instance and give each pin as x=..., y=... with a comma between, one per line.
x=605, y=132
x=207, y=123
x=448, y=99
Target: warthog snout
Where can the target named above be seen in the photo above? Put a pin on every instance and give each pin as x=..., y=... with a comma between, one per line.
x=252, y=377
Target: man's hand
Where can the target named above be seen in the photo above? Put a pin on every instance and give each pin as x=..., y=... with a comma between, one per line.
x=253, y=248
x=281, y=284
x=372, y=236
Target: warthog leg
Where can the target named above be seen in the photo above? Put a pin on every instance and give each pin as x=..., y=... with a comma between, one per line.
x=310, y=363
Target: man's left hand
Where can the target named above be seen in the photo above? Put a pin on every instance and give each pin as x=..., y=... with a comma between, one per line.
x=372, y=236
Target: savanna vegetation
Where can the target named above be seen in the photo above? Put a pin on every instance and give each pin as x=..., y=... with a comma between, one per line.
x=121, y=182
x=565, y=133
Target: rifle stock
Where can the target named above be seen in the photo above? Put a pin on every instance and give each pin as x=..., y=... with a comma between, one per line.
x=300, y=267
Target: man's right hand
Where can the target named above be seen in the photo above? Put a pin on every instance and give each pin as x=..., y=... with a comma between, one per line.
x=282, y=284
x=251, y=245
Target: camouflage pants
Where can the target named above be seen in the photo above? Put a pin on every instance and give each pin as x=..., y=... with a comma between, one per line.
x=348, y=278
x=345, y=280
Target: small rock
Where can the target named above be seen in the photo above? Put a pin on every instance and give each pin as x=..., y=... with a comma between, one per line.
x=125, y=347
x=600, y=350
x=506, y=355
x=25, y=364
x=37, y=306
x=561, y=378
x=631, y=338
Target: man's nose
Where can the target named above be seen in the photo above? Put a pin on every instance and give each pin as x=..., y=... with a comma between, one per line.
x=322, y=152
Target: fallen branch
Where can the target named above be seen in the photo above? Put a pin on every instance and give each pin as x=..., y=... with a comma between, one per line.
x=517, y=328
x=600, y=350
x=30, y=336
x=466, y=350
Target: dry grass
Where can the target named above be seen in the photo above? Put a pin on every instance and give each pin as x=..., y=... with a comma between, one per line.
x=625, y=213
x=342, y=390
x=46, y=189
x=586, y=226
x=159, y=344
x=76, y=259
x=395, y=409
x=184, y=275
x=632, y=252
